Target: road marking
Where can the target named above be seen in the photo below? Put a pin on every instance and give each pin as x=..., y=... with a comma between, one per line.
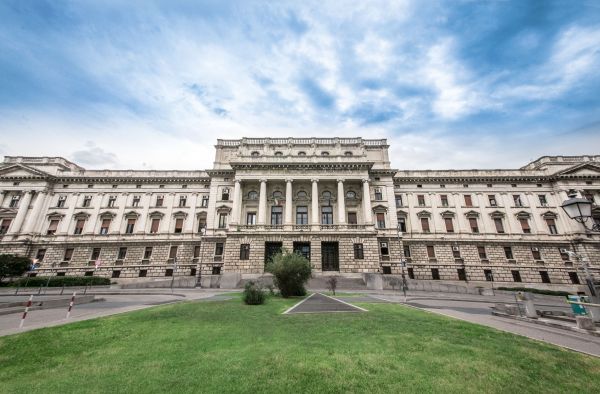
x=298, y=304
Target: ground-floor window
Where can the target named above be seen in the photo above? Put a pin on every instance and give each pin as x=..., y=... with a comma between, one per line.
x=302, y=248
x=89, y=273
x=169, y=272
x=245, y=252
x=435, y=274
x=330, y=256
x=574, y=278
x=462, y=275
x=359, y=252
x=387, y=270
x=116, y=274
x=545, y=277
x=216, y=270
x=516, y=276
x=193, y=272
x=411, y=273
x=271, y=249
x=488, y=275
x=143, y=273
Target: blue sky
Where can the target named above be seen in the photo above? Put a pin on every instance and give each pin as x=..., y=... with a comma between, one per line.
x=153, y=84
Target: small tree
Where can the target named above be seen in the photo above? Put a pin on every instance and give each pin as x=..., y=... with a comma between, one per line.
x=290, y=271
x=253, y=294
x=11, y=265
x=332, y=283
x=394, y=282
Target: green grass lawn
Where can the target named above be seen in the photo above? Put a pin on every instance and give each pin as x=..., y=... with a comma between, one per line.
x=227, y=347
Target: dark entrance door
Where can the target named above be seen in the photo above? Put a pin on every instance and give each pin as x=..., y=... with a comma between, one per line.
x=330, y=256
x=271, y=249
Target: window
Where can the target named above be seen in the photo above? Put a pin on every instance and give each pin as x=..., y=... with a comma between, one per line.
x=204, y=203
x=449, y=225
x=219, y=249
x=386, y=270
x=104, y=226
x=516, y=276
x=351, y=194
x=178, y=225
x=278, y=153
x=411, y=273
x=222, y=220
x=545, y=277
x=143, y=273
x=160, y=201
x=435, y=274
x=302, y=248
x=462, y=275
x=468, y=200
x=68, y=254
x=196, y=251
x=474, y=226
x=252, y=195
x=301, y=153
x=551, y=226
x=488, y=275
x=251, y=218
x=517, y=200
x=111, y=201
x=499, y=225
x=406, y=251
x=155, y=225
x=574, y=278
x=173, y=252
x=61, y=201
x=130, y=226
x=456, y=252
x=201, y=223
x=327, y=215
x=421, y=200
x=182, y=201
x=278, y=196
x=326, y=195
x=147, y=252
x=348, y=153
x=122, y=253
x=430, y=251
x=136, y=201
x=5, y=225
x=481, y=252
x=543, y=200
x=52, y=227
x=301, y=194
x=402, y=224
x=276, y=216
x=535, y=252
x=14, y=201
x=169, y=272
x=245, y=252
x=425, y=225
x=508, y=253
x=352, y=218
x=324, y=153
x=358, y=252
x=79, y=224
x=384, y=248
x=398, y=200
x=525, y=225
x=302, y=215
x=41, y=253
x=378, y=194
x=95, y=254
x=255, y=154
x=444, y=200
x=87, y=201
x=225, y=194
x=380, y=220
x=115, y=274
x=492, y=200
x=563, y=254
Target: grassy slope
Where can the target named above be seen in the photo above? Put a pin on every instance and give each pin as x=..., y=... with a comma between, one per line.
x=230, y=347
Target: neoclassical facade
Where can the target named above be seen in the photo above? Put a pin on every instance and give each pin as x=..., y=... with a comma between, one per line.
x=335, y=200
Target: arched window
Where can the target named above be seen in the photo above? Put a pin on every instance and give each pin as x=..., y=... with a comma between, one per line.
x=255, y=154
x=277, y=195
x=326, y=195
x=301, y=194
x=252, y=195
x=350, y=194
x=301, y=153
x=324, y=153
x=278, y=153
x=348, y=153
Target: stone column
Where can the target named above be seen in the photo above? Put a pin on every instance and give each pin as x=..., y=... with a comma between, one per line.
x=37, y=209
x=341, y=200
x=143, y=218
x=2, y=195
x=237, y=201
x=315, y=202
x=288, y=202
x=21, y=213
x=262, y=202
x=367, y=211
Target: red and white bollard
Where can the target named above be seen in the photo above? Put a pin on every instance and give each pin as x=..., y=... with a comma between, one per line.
x=71, y=304
x=26, y=310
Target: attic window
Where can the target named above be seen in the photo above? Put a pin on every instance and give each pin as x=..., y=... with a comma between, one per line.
x=138, y=186
x=301, y=153
x=255, y=154
x=161, y=186
x=324, y=153
x=90, y=186
x=442, y=186
x=16, y=183
x=184, y=186
x=114, y=186
x=278, y=153
x=588, y=182
x=65, y=186
x=348, y=153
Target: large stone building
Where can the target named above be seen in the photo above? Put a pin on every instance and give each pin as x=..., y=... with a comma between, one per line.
x=335, y=200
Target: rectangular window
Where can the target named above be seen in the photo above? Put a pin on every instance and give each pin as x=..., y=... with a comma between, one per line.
x=380, y=220
x=358, y=252
x=411, y=273
x=216, y=270
x=276, y=216
x=178, y=225
x=425, y=225
x=551, y=226
x=517, y=200
x=326, y=215
x=5, y=225
x=462, y=275
x=352, y=218
x=525, y=225
x=160, y=201
x=421, y=200
x=499, y=225
x=53, y=226
x=182, y=201
x=508, y=253
x=61, y=201
x=481, y=252
x=302, y=248
x=147, y=252
x=456, y=252
x=378, y=194
x=251, y=218
x=574, y=278
x=136, y=201
x=105, y=226
x=95, y=254
x=115, y=274
x=143, y=273
x=302, y=215
x=474, y=226
x=169, y=272
x=245, y=252
x=535, y=252
x=516, y=276
x=225, y=195
x=222, y=220
x=219, y=249
x=130, y=226
x=384, y=248
x=406, y=250
x=41, y=253
x=492, y=200
x=154, y=226
x=14, y=202
x=468, y=200
x=111, y=201
x=563, y=254
x=545, y=277
x=201, y=223
x=87, y=201
x=68, y=254
x=398, y=200
x=435, y=274
x=449, y=225
x=444, y=200
x=430, y=251
x=488, y=275
x=543, y=200
x=204, y=202
x=173, y=252
x=122, y=253
x=196, y=251
x=79, y=224
x=402, y=224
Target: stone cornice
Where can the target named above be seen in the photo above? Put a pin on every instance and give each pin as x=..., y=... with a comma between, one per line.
x=303, y=166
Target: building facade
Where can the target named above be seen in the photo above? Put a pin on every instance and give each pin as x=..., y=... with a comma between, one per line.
x=335, y=200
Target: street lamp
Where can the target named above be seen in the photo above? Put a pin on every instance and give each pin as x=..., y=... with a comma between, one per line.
x=580, y=210
x=402, y=262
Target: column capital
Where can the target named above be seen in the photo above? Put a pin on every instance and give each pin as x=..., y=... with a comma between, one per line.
x=289, y=180
x=263, y=180
x=237, y=180
x=314, y=180
x=366, y=180
x=340, y=180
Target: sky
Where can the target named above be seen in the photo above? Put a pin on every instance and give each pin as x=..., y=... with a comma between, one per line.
x=153, y=84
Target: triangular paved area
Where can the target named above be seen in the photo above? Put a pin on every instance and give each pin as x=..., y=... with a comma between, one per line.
x=320, y=303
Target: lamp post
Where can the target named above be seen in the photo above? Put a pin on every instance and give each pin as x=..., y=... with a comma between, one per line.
x=202, y=233
x=402, y=262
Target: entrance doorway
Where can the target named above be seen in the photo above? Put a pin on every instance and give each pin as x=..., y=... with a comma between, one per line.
x=330, y=256
x=271, y=249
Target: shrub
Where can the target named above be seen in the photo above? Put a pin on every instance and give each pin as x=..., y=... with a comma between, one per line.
x=59, y=281
x=291, y=271
x=253, y=294
x=332, y=283
x=11, y=265
x=537, y=291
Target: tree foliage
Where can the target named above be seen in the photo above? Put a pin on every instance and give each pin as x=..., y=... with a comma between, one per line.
x=11, y=265
x=291, y=271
